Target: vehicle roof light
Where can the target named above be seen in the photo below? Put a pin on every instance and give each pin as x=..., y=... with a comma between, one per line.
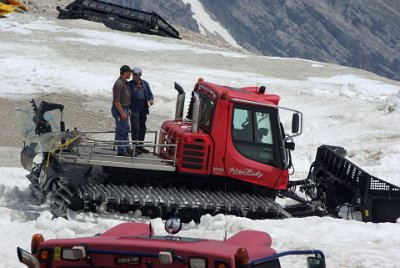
x=201, y=79
x=35, y=242
x=242, y=256
x=195, y=262
x=261, y=90
x=224, y=95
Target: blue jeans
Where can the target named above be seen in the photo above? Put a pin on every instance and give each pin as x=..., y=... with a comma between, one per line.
x=138, y=127
x=121, y=130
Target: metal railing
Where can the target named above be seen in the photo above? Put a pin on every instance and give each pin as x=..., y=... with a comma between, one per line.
x=91, y=148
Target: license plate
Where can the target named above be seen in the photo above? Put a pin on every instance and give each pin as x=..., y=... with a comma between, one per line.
x=129, y=260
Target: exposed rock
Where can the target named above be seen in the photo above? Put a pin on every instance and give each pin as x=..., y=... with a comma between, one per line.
x=363, y=34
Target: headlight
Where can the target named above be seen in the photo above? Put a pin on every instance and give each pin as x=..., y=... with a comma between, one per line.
x=165, y=257
x=197, y=262
x=73, y=254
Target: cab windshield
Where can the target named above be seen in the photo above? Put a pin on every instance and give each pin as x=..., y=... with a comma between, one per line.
x=256, y=133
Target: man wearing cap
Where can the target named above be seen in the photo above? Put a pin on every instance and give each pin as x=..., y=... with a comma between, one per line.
x=142, y=98
x=121, y=110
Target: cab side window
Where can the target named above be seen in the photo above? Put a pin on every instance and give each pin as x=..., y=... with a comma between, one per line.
x=242, y=125
x=252, y=135
x=263, y=130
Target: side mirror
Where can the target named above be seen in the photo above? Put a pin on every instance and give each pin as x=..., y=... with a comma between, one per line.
x=295, y=123
x=173, y=225
x=315, y=262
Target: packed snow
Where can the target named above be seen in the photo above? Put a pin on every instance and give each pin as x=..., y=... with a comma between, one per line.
x=207, y=24
x=342, y=106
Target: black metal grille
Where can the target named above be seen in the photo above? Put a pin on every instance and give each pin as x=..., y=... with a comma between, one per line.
x=346, y=182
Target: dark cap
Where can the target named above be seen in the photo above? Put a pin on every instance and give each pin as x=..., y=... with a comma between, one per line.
x=125, y=68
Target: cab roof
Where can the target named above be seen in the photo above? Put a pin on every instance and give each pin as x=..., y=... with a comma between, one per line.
x=245, y=93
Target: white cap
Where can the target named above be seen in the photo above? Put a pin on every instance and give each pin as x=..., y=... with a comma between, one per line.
x=137, y=70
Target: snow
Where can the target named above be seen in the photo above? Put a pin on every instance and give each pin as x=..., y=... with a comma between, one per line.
x=207, y=24
x=341, y=106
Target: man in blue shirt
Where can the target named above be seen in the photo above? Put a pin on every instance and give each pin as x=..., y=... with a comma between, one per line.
x=142, y=98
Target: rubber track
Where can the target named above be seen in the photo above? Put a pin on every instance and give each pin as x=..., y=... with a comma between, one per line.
x=162, y=202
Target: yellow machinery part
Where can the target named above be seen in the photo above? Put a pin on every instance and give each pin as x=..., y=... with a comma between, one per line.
x=16, y=3
x=11, y=6
x=5, y=9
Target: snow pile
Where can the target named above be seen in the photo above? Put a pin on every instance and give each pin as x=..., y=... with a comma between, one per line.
x=391, y=104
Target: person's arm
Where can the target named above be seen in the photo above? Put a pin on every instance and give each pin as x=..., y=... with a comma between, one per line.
x=151, y=99
x=116, y=100
x=121, y=111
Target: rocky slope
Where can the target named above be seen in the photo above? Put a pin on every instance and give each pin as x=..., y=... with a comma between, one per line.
x=363, y=34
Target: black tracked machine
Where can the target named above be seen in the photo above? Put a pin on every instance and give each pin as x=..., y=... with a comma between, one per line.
x=118, y=17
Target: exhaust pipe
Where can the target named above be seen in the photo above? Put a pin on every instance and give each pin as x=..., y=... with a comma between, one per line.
x=26, y=258
x=180, y=101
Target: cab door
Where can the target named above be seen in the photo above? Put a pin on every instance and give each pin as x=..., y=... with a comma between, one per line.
x=252, y=151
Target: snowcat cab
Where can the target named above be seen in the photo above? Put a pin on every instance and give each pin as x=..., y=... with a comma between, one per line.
x=231, y=133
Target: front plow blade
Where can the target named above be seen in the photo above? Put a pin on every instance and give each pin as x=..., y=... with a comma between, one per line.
x=343, y=182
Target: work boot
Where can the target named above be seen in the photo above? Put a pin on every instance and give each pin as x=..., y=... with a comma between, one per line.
x=143, y=150
x=137, y=151
x=126, y=154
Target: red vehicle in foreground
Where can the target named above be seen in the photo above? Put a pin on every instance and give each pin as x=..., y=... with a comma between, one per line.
x=135, y=245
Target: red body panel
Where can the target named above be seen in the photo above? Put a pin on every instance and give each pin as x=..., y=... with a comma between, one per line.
x=194, y=152
x=133, y=237
x=214, y=153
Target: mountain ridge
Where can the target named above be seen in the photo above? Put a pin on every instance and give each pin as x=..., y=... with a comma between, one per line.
x=361, y=34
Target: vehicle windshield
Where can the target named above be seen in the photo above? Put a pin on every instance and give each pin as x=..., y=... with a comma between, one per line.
x=256, y=133
x=207, y=112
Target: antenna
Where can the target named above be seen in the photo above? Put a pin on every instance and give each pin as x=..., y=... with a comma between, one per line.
x=150, y=230
x=257, y=79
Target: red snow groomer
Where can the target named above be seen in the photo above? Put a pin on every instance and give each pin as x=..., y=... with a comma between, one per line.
x=135, y=245
x=230, y=154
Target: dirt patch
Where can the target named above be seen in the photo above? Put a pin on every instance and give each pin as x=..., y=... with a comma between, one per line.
x=77, y=113
x=11, y=131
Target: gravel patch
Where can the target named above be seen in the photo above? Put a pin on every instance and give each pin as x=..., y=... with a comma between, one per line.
x=79, y=111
